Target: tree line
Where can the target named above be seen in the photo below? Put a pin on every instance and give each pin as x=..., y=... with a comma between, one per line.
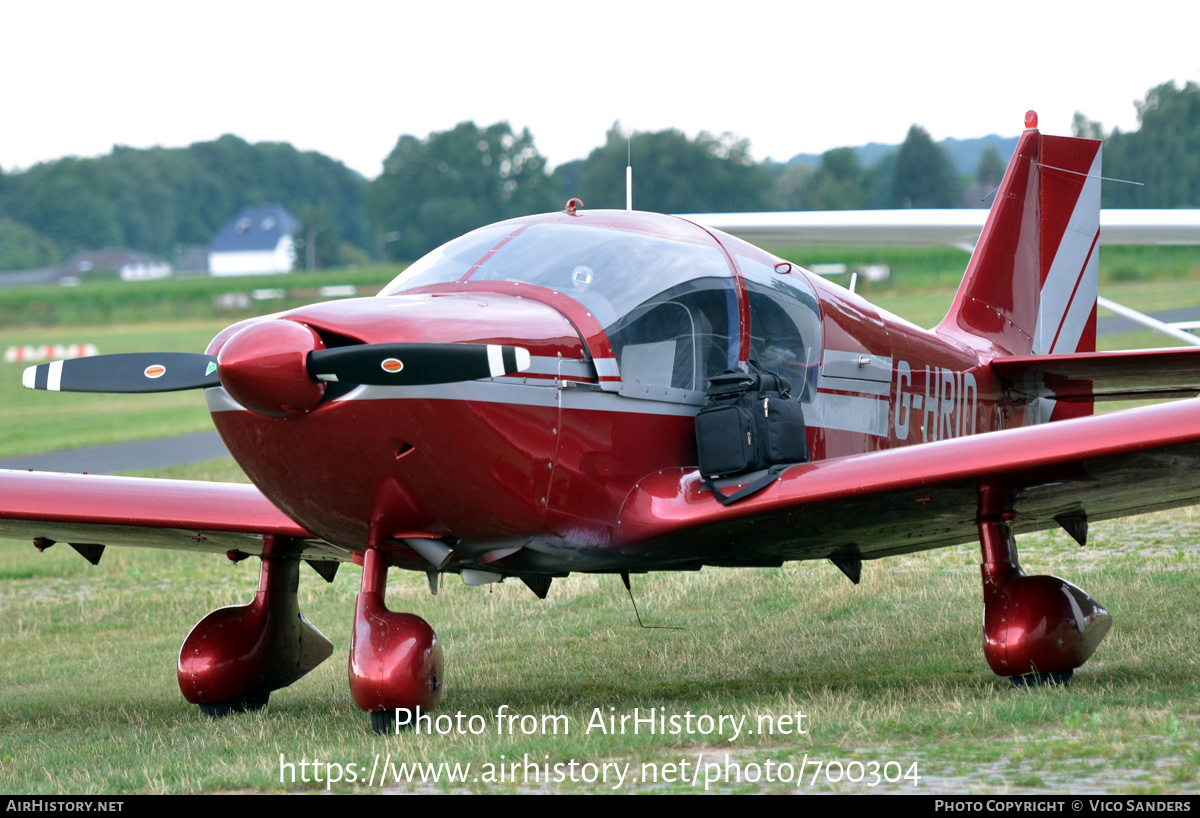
x=431, y=189
x=162, y=199
x=1163, y=154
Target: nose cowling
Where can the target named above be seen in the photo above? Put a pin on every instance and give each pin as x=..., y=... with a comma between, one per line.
x=264, y=367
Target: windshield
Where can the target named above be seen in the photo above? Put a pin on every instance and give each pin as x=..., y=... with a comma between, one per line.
x=609, y=271
x=450, y=262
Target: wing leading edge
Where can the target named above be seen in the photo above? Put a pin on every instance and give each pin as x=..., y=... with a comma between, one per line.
x=131, y=511
x=923, y=227
x=926, y=496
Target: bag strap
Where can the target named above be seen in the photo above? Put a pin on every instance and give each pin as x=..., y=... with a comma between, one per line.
x=770, y=382
x=730, y=384
x=751, y=488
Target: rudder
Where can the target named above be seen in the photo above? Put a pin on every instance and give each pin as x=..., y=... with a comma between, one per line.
x=1070, y=228
x=1031, y=284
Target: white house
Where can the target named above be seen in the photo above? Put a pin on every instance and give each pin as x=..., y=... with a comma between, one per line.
x=258, y=240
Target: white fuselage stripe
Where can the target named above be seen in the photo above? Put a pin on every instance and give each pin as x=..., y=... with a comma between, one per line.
x=865, y=415
x=848, y=413
x=856, y=385
x=861, y=412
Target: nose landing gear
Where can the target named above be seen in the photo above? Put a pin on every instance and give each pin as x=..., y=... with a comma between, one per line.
x=395, y=658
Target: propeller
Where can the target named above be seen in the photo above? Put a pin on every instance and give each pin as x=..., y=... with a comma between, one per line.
x=279, y=368
x=415, y=364
x=131, y=372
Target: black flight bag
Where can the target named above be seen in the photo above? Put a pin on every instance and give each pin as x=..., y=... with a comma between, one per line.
x=750, y=422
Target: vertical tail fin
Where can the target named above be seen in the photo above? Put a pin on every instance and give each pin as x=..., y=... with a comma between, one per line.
x=1031, y=284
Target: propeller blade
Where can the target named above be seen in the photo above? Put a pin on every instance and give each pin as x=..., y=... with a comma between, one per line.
x=415, y=364
x=126, y=373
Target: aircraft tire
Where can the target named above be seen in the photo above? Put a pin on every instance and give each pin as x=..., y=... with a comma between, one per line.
x=246, y=704
x=1060, y=678
x=382, y=722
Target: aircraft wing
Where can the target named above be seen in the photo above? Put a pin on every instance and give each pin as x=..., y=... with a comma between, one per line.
x=960, y=227
x=189, y=515
x=926, y=496
x=1127, y=375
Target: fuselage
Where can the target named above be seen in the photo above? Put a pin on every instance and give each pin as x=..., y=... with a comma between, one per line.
x=625, y=316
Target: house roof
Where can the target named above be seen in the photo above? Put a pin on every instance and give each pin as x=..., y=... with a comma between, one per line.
x=257, y=227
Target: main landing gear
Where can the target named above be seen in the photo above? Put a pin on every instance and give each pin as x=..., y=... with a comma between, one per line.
x=1036, y=630
x=234, y=657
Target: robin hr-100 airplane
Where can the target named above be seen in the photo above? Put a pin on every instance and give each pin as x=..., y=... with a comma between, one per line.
x=522, y=403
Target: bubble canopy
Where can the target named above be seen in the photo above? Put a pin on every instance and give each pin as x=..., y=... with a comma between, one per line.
x=608, y=269
x=663, y=289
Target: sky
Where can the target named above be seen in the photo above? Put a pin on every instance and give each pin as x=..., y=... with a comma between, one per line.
x=348, y=79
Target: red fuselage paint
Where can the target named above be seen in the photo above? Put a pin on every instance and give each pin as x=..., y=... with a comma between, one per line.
x=528, y=472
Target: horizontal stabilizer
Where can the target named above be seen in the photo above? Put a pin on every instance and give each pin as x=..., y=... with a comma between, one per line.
x=1129, y=375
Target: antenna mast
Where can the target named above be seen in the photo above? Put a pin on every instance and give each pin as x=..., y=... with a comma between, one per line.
x=629, y=168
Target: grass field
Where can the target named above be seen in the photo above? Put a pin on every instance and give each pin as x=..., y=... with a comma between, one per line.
x=32, y=421
x=888, y=671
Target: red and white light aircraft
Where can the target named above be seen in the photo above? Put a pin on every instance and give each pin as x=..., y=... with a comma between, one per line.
x=521, y=403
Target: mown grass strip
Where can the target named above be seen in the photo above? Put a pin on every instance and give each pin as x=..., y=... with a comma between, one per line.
x=889, y=670
x=109, y=301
